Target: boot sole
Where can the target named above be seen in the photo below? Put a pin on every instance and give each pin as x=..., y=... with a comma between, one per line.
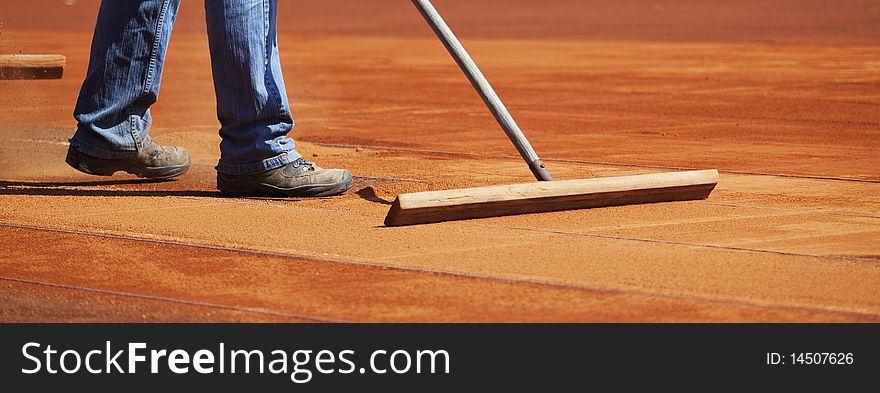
x=239, y=188
x=99, y=167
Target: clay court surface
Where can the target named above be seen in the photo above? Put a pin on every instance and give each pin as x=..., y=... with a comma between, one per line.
x=783, y=97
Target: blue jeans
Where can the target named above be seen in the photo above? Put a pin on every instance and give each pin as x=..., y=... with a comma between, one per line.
x=125, y=69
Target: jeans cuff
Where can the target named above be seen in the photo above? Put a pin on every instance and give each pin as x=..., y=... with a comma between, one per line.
x=98, y=152
x=257, y=167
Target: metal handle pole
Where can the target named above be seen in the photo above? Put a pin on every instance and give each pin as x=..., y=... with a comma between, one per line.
x=482, y=86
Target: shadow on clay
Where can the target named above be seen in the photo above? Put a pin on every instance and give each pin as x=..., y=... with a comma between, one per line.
x=369, y=194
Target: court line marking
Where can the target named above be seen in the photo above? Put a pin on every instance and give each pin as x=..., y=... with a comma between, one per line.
x=196, y=303
x=805, y=211
x=648, y=294
x=268, y=202
x=700, y=245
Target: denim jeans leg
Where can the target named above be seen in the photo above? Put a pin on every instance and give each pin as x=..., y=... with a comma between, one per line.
x=252, y=103
x=122, y=81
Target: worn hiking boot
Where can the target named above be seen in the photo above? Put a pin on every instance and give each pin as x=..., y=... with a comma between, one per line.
x=300, y=178
x=153, y=161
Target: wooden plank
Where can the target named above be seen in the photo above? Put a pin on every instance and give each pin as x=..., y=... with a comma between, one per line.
x=467, y=203
x=32, y=66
